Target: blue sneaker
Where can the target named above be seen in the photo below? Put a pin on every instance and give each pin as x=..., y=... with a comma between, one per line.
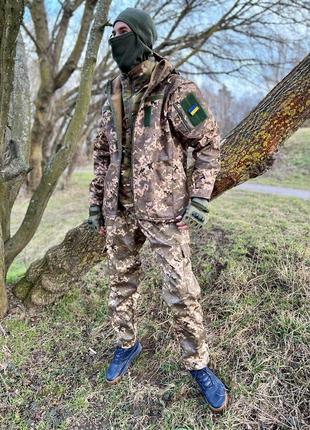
x=121, y=361
x=212, y=388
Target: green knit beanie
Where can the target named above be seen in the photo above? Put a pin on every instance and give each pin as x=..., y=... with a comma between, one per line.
x=140, y=23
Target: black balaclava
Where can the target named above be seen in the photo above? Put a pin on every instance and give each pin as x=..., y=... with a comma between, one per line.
x=131, y=48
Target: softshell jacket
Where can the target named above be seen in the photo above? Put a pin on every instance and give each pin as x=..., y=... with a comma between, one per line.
x=172, y=116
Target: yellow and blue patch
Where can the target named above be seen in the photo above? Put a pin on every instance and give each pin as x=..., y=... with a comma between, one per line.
x=193, y=109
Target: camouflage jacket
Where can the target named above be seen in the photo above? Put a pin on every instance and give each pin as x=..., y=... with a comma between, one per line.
x=171, y=117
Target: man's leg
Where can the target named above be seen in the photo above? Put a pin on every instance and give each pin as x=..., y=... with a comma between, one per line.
x=181, y=290
x=124, y=240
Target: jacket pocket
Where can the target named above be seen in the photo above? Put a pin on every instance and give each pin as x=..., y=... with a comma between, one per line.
x=188, y=126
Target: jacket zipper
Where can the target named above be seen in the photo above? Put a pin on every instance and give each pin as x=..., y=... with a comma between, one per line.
x=132, y=120
x=132, y=145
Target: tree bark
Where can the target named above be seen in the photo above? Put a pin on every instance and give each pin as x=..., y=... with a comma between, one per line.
x=247, y=152
x=17, y=148
x=80, y=250
x=11, y=13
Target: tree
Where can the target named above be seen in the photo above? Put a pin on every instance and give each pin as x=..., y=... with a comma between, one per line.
x=53, y=76
x=247, y=151
x=11, y=13
x=62, y=157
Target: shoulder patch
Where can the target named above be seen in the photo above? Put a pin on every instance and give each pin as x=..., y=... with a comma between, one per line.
x=193, y=109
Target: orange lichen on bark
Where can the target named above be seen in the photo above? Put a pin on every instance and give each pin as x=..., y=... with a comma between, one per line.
x=249, y=150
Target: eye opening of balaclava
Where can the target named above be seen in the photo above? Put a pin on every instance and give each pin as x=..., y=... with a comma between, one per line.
x=131, y=48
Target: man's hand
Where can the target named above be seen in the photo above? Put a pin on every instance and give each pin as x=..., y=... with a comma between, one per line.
x=96, y=219
x=195, y=214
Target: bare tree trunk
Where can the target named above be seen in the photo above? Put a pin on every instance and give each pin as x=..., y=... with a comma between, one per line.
x=247, y=152
x=11, y=13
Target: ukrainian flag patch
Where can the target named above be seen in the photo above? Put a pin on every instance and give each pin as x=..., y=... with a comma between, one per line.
x=193, y=109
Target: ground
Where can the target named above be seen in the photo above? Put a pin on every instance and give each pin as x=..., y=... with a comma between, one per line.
x=252, y=262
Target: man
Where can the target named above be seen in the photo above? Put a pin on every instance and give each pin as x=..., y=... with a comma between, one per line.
x=141, y=191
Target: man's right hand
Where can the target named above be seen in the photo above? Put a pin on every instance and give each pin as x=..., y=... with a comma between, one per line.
x=96, y=219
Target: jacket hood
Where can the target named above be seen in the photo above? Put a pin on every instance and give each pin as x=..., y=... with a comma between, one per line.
x=140, y=23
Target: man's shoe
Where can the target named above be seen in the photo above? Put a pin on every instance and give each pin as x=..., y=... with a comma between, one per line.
x=212, y=388
x=121, y=361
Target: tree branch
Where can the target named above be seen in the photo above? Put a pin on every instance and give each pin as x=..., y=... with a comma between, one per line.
x=64, y=74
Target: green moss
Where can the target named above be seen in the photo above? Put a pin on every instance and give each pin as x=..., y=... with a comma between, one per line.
x=16, y=271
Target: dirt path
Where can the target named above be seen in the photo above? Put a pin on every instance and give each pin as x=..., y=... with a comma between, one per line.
x=282, y=191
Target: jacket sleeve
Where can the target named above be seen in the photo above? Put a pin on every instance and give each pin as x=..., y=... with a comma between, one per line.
x=194, y=124
x=101, y=161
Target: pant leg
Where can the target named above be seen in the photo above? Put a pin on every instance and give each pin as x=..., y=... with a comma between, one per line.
x=181, y=290
x=124, y=240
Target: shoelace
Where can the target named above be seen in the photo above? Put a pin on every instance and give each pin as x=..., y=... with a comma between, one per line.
x=204, y=378
x=119, y=353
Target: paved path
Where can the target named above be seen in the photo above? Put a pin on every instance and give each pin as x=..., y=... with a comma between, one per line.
x=260, y=188
x=282, y=191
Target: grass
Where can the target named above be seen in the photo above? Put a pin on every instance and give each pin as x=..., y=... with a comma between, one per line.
x=252, y=262
x=292, y=165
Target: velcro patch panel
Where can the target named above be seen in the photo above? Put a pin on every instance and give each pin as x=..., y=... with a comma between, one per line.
x=193, y=109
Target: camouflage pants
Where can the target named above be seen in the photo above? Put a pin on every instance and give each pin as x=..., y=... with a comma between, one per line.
x=125, y=236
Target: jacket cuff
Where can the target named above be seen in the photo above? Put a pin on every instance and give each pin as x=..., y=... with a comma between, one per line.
x=202, y=194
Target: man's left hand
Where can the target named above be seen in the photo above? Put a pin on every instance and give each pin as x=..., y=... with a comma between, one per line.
x=195, y=214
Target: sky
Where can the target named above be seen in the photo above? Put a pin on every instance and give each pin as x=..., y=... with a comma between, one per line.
x=238, y=86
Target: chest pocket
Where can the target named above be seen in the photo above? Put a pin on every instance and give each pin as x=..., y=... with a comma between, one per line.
x=180, y=119
x=151, y=106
